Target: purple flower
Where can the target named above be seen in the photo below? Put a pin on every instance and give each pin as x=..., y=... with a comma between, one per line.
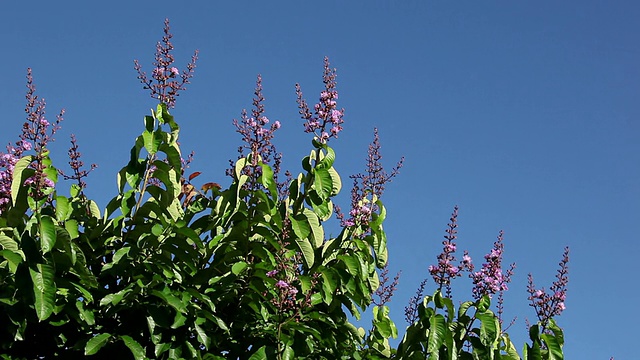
x=490, y=279
x=26, y=146
x=282, y=284
x=325, y=111
x=272, y=273
x=161, y=87
x=548, y=305
x=445, y=271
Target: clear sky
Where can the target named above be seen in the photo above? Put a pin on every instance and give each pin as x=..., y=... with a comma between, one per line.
x=522, y=113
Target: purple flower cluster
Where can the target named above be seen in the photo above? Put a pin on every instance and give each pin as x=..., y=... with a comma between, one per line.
x=326, y=112
x=37, y=132
x=76, y=165
x=552, y=303
x=444, y=271
x=257, y=134
x=255, y=131
x=490, y=279
x=369, y=187
x=166, y=80
x=386, y=290
x=286, y=299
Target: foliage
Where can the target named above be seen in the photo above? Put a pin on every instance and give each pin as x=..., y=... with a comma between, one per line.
x=170, y=270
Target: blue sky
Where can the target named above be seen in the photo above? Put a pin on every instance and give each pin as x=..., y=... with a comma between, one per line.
x=525, y=114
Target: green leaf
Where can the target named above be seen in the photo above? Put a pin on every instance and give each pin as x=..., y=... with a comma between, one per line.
x=151, y=141
x=47, y=234
x=86, y=315
x=322, y=183
x=20, y=174
x=8, y=243
x=44, y=289
x=327, y=159
x=114, y=298
x=317, y=231
x=63, y=208
x=352, y=264
x=74, y=190
x=335, y=181
x=322, y=208
x=96, y=343
x=51, y=173
x=437, y=333
x=13, y=258
x=512, y=353
x=307, y=251
x=203, y=338
x=489, y=330
x=240, y=164
x=300, y=226
x=238, y=267
x=136, y=349
x=483, y=303
x=553, y=345
x=173, y=155
x=266, y=178
x=171, y=300
x=557, y=331
x=117, y=257
x=288, y=353
x=149, y=123
x=263, y=353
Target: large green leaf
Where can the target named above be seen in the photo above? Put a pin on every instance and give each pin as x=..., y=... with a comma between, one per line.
x=238, y=267
x=266, y=178
x=136, y=349
x=114, y=298
x=20, y=174
x=335, y=181
x=203, y=338
x=152, y=140
x=509, y=348
x=317, y=231
x=44, y=290
x=8, y=243
x=489, y=329
x=172, y=300
x=174, y=158
x=553, y=345
x=352, y=263
x=438, y=331
x=13, y=258
x=300, y=226
x=322, y=183
x=47, y=234
x=96, y=343
x=85, y=314
x=288, y=353
x=63, y=208
x=307, y=251
x=328, y=158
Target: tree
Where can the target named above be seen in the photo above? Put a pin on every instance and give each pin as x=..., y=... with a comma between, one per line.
x=171, y=269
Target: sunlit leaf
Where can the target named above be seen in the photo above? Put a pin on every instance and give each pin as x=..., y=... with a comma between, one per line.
x=96, y=343
x=44, y=290
x=47, y=234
